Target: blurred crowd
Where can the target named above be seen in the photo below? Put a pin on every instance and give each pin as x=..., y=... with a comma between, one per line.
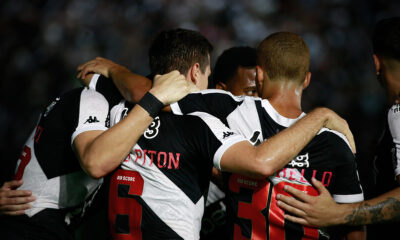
x=42, y=43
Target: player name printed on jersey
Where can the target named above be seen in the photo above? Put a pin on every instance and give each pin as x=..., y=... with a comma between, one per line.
x=171, y=166
x=251, y=203
x=169, y=160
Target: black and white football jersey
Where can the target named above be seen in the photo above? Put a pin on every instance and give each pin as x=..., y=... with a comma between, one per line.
x=252, y=202
x=394, y=127
x=48, y=165
x=158, y=191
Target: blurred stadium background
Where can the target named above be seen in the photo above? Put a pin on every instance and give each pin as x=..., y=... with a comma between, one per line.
x=42, y=43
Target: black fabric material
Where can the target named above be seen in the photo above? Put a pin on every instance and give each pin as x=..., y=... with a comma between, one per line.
x=151, y=104
x=46, y=225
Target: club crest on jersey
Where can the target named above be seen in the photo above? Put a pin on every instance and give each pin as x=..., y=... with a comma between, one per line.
x=50, y=107
x=152, y=130
x=300, y=161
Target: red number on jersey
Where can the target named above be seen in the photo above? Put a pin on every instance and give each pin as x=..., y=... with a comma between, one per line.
x=123, y=206
x=251, y=210
x=25, y=158
x=263, y=207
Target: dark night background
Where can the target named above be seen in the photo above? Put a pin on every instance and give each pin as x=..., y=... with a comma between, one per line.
x=42, y=43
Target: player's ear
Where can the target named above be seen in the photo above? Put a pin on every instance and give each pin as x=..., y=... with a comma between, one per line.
x=377, y=64
x=259, y=75
x=307, y=80
x=259, y=80
x=194, y=72
x=221, y=85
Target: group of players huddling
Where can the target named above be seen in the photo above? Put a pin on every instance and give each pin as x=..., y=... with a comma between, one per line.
x=154, y=143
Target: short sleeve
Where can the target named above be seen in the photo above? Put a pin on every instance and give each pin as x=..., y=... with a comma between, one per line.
x=215, y=102
x=219, y=137
x=93, y=112
x=346, y=188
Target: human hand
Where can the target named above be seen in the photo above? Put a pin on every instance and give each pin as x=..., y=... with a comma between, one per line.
x=14, y=202
x=171, y=87
x=335, y=122
x=98, y=65
x=309, y=210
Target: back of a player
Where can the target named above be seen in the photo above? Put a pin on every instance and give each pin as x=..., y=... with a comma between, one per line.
x=50, y=169
x=252, y=202
x=252, y=205
x=158, y=191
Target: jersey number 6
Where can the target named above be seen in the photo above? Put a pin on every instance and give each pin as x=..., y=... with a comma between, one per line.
x=125, y=212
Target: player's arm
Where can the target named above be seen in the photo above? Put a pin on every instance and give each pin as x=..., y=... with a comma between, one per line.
x=323, y=211
x=100, y=152
x=12, y=201
x=131, y=86
x=394, y=127
x=273, y=154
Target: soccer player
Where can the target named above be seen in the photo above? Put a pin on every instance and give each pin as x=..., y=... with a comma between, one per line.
x=234, y=71
x=283, y=63
x=50, y=169
x=163, y=180
x=321, y=210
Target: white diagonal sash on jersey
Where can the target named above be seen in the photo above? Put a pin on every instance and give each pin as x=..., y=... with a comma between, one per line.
x=245, y=119
x=166, y=199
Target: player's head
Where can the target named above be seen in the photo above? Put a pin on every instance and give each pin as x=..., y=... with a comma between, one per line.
x=386, y=45
x=184, y=50
x=283, y=58
x=235, y=71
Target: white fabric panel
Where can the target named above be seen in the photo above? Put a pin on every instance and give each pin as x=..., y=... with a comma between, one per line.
x=394, y=127
x=166, y=199
x=93, y=105
x=219, y=130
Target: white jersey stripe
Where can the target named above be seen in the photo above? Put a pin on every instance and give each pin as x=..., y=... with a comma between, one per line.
x=351, y=198
x=281, y=120
x=93, y=111
x=223, y=134
x=166, y=199
x=176, y=109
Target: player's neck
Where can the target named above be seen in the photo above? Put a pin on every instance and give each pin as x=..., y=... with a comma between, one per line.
x=393, y=85
x=285, y=99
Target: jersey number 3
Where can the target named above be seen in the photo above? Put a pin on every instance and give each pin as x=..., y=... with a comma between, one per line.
x=125, y=212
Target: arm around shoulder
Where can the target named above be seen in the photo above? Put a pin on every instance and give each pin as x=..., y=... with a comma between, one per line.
x=273, y=154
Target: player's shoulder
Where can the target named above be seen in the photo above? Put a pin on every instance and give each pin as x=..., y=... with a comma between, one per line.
x=394, y=110
x=66, y=99
x=394, y=113
x=225, y=93
x=77, y=93
x=92, y=95
x=335, y=140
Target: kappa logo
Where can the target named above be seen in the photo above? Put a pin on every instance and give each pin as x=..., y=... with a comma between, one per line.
x=152, y=130
x=226, y=134
x=300, y=161
x=91, y=119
